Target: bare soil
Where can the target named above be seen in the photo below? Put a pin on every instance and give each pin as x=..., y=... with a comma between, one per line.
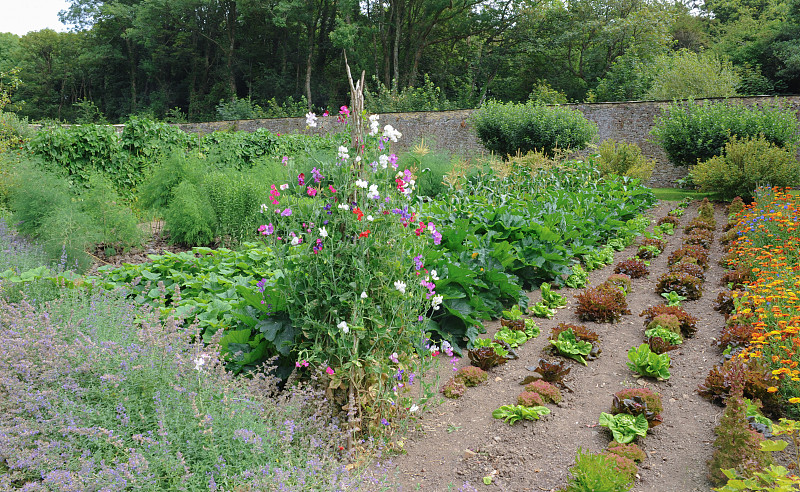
x=458, y=442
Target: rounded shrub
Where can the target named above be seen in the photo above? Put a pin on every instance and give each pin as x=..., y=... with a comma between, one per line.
x=623, y=159
x=745, y=165
x=506, y=128
x=689, y=132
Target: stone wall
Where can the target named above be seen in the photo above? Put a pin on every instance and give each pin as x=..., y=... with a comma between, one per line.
x=626, y=121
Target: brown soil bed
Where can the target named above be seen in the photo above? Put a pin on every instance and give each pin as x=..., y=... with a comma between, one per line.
x=458, y=442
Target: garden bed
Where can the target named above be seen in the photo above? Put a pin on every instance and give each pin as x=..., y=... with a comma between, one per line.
x=459, y=442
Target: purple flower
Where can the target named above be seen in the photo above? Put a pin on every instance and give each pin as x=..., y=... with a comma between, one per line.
x=418, y=262
x=266, y=230
x=286, y=212
x=384, y=422
x=318, y=177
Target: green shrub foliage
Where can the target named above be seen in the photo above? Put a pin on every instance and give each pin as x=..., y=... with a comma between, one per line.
x=689, y=132
x=507, y=128
x=189, y=219
x=745, y=165
x=623, y=159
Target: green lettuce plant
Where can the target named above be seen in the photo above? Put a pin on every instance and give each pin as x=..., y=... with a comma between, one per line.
x=673, y=298
x=552, y=299
x=512, y=314
x=668, y=336
x=625, y=427
x=540, y=310
x=514, y=413
x=531, y=328
x=514, y=338
x=569, y=346
x=648, y=363
x=578, y=277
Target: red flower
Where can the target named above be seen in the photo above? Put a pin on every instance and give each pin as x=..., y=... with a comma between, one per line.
x=364, y=234
x=358, y=212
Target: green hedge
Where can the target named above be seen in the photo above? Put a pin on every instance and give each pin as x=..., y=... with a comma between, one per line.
x=690, y=132
x=508, y=128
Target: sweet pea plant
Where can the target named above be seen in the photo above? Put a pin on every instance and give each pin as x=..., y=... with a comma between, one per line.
x=350, y=247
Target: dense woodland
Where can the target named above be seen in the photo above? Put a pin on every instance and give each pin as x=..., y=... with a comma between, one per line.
x=209, y=59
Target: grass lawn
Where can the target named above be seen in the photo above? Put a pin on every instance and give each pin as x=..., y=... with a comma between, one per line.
x=678, y=194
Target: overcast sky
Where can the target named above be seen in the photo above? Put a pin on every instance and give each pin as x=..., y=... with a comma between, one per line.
x=22, y=16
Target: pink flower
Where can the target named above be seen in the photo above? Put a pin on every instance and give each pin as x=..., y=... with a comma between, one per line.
x=333, y=190
x=329, y=371
x=311, y=191
x=343, y=110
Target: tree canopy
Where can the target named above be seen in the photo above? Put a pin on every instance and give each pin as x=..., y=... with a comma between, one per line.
x=206, y=59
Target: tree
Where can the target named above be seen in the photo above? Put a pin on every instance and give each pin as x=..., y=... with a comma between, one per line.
x=687, y=74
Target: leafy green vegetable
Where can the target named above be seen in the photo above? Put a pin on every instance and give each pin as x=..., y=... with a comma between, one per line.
x=513, y=314
x=754, y=414
x=648, y=363
x=531, y=328
x=569, y=346
x=673, y=298
x=578, y=278
x=552, y=299
x=514, y=413
x=540, y=310
x=514, y=338
x=669, y=336
x=624, y=427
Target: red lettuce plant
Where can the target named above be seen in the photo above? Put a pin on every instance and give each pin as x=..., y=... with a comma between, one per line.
x=688, y=322
x=633, y=268
x=602, y=304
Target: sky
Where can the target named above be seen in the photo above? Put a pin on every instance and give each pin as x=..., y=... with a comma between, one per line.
x=22, y=16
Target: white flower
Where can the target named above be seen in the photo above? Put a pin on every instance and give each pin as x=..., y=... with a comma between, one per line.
x=384, y=160
x=311, y=120
x=343, y=152
x=436, y=302
x=295, y=241
x=323, y=232
x=361, y=183
x=343, y=326
x=413, y=408
x=363, y=294
x=374, y=127
x=198, y=362
x=401, y=286
x=284, y=187
x=373, y=192
x=434, y=275
x=370, y=218
x=358, y=158
x=391, y=133
x=343, y=206
x=264, y=208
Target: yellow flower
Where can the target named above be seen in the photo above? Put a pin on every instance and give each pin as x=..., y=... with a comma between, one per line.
x=794, y=400
x=772, y=389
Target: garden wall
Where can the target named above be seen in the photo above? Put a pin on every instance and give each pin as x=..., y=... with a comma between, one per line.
x=627, y=121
